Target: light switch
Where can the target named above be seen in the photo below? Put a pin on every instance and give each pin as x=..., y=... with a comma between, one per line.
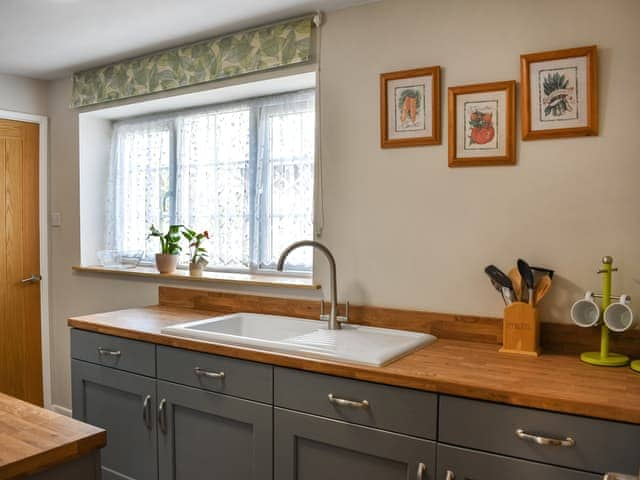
x=55, y=219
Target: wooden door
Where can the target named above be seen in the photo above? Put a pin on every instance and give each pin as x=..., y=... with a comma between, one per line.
x=20, y=344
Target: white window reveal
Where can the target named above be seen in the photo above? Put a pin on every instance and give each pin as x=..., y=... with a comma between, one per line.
x=244, y=171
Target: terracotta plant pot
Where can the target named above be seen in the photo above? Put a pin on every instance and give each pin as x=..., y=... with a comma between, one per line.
x=166, y=263
x=195, y=269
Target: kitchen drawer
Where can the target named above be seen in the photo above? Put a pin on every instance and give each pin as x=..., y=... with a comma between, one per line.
x=395, y=409
x=599, y=446
x=117, y=352
x=460, y=463
x=241, y=378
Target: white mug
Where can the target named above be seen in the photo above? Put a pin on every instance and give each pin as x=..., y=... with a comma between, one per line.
x=618, y=317
x=585, y=312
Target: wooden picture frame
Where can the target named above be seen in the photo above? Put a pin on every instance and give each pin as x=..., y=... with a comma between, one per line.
x=482, y=124
x=413, y=118
x=573, y=110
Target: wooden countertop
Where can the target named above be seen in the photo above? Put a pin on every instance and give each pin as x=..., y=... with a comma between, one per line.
x=555, y=382
x=34, y=439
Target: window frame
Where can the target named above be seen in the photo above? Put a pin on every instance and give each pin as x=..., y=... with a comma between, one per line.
x=256, y=205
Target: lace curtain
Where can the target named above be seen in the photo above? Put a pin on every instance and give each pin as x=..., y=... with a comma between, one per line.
x=243, y=171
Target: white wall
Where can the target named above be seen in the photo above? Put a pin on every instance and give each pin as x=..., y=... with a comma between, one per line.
x=94, y=143
x=24, y=95
x=406, y=230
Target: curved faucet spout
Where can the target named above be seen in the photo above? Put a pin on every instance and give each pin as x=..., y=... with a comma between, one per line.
x=333, y=321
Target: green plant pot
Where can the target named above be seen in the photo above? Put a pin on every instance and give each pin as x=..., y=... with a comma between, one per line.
x=166, y=263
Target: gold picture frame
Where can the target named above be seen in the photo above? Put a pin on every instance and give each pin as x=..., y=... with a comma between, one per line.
x=559, y=93
x=482, y=124
x=410, y=108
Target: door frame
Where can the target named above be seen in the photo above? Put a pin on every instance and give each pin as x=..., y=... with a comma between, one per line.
x=43, y=122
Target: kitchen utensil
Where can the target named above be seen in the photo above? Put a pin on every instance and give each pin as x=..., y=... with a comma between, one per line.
x=527, y=277
x=498, y=276
x=516, y=280
x=542, y=287
x=585, y=312
x=498, y=287
x=619, y=316
x=543, y=271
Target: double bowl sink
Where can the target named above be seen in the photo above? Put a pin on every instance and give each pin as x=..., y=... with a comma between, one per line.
x=307, y=338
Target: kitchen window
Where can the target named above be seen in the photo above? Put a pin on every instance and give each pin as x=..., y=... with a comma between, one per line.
x=244, y=171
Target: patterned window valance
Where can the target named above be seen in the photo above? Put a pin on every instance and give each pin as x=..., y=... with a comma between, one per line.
x=259, y=49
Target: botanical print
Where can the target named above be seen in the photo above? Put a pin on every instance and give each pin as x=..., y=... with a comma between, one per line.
x=255, y=50
x=410, y=108
x=481, y=125
x=558, y=94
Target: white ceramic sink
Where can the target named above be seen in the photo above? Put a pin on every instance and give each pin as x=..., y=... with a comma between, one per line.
x=309, y=338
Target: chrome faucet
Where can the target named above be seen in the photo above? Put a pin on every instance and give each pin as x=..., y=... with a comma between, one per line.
x=333, y=318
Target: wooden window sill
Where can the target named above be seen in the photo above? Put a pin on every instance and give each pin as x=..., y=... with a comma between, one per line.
x=258, y=280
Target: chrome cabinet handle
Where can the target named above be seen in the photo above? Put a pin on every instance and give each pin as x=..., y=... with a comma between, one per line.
x=450, y=475
x=106, y=351
x=552, y=442
x=348, y=403
x=32, y=279
x=146, y=411
x=421, y=469
x=162, y=415
x=206, y=373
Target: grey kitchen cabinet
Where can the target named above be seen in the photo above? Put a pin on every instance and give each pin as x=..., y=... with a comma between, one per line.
x=175, y=414
x=123, y=404
x=462, y=464
x=571, y=441
x=206, y=435
x=308, y=447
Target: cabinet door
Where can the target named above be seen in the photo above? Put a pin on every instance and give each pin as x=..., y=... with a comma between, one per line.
x=205, y=435
x=308, y=447
x=124, y=405
x=462, y=464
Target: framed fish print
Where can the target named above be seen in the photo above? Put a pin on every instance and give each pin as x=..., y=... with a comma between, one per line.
x=410, y=108
x=559, y=93
x=482, y=124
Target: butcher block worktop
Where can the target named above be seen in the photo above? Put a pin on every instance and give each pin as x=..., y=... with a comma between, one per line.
x=556, y=382
x=33, y=439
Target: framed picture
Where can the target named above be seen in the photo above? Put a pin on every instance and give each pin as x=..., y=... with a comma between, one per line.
x=482, y=124
x=559, y=93
x=410, y=108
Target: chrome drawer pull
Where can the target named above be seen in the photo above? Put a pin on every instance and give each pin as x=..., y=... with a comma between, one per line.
x=106, y=351
x=553, y=442
x=348, y=403
x=421, y=469
x=146, y=411
x=205, y=373
x=162, y=415
x=450, y=475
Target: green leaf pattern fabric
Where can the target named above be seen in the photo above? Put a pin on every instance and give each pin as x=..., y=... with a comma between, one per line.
x=260, y=49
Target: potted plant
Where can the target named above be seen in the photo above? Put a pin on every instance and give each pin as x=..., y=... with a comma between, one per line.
x=167, y=259
x=197, y=253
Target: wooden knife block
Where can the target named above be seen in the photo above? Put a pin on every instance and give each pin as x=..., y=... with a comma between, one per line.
x=521, y=330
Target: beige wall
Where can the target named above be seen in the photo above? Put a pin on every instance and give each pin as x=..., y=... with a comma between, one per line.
x=408, y=231
x=24, y=95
